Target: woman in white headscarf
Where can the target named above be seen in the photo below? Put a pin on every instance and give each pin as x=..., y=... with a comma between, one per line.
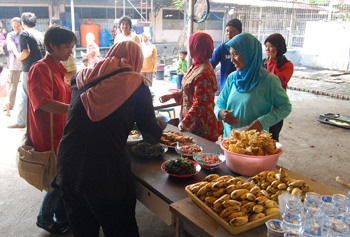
x=149, y=67
x=93, y=164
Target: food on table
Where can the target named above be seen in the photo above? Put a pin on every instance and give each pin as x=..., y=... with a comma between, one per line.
x=180, y=166
x=211, y=159
x=134, y=135
x=234, y=200
x=251, y=143
x=275, y=183
x=170, y=138
x=187, y=150
x=147, y=149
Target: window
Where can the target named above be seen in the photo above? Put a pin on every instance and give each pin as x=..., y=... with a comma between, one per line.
x=173, y=15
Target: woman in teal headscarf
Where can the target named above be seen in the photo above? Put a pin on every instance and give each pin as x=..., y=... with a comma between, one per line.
x=251, y=92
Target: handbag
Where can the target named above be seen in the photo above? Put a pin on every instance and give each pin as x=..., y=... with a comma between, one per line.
x=37, y=168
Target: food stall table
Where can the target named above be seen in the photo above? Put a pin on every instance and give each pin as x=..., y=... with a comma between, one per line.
x=157, y=190
x=193, y=221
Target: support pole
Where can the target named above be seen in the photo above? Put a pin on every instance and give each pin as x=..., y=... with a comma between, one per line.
x=72, y=15
x=190, y=26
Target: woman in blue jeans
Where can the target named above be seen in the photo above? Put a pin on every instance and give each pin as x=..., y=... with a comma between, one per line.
x=49, y=92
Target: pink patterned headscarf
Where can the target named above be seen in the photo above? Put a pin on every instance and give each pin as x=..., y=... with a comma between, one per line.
x=103, y=99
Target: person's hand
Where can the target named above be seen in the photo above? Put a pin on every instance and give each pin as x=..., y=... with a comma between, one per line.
x=166, y=98
x=162, y=122
x=272, y=54
x=227, y=117
x=181, y=127
x=255, y=125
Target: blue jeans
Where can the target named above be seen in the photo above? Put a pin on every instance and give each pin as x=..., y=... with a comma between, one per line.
x=52, y=209
x=22, y=107
x=178, y=81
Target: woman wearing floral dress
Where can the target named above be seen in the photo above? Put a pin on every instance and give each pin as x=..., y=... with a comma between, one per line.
x=198, y=93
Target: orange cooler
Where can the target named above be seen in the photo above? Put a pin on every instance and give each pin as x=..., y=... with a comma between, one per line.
x=89, y=27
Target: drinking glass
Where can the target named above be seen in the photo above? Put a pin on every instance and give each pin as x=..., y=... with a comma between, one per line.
x=340, y=202
x=338, y=228
x=313, y=224
x=274, y=228
x=293, y=215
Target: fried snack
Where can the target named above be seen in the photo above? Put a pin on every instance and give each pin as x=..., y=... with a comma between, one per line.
x=251, y=143
x=170, y=138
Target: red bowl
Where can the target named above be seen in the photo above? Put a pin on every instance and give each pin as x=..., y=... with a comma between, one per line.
x=196, y=165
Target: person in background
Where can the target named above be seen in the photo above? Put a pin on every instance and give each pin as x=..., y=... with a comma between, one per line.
x=93, y=51
x=114, y=32
x=125, y=26
x=94, y=170
x=5, y=49
x=149, y=67
x=70, y=64
x=250, y=92
x=278, y=64
x=3, y=84
x=15, y=67
x=222, y=55
x=181, y=68
x=49, y=92
x=198, y=91
x=32, y=46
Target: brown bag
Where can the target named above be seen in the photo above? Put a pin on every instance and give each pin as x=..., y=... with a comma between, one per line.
x=37, y=168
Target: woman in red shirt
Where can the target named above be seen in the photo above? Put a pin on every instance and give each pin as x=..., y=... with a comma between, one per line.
x=278, y=64
x=45, y=77
x=198, y=91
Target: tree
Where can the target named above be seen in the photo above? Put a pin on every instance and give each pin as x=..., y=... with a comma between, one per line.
x=199, y=9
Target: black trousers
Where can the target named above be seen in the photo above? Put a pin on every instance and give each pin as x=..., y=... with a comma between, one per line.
x=87, y=213
x=275, y=130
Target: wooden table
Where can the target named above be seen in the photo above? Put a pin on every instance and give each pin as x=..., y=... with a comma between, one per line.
x=193, y=221
x=165, y=195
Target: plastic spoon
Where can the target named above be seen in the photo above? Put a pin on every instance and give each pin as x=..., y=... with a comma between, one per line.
x=199, y=159
x=178, y=148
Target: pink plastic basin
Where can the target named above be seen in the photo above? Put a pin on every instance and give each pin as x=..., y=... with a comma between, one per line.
x=250, y=165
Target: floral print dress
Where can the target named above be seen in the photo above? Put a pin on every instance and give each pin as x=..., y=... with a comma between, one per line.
x=197, y=102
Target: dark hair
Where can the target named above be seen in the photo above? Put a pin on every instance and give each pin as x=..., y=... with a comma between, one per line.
x=236, y=24
x=125, y=18
x=17, y=19
x=55, y=21
x=1, y=67
x=58, y=35
x=278, y=41
x=29, y=19
x=183, y=52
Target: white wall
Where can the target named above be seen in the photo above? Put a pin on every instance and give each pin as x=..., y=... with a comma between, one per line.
x=326, y=45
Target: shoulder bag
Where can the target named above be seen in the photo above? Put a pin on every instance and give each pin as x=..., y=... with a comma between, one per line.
x=37, y=168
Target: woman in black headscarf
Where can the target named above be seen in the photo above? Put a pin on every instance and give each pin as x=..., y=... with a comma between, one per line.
x=278, y=64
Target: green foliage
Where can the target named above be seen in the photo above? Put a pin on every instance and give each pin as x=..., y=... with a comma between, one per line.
x=178, y=3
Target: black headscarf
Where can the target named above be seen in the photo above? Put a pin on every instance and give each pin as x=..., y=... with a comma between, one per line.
x=278, y=41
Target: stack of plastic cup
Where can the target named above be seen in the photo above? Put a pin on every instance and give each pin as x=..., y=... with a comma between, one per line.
x=338, y=228
x=340, y=203
x=313, y=224
x=327, y=209
x=293, y=216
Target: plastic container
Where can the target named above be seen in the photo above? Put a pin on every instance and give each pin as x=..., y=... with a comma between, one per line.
x=104, y=38
x=89, y=27
x=250, y=165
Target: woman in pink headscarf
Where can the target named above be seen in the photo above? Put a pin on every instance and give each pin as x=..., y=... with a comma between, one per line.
x=94, y=173
x=198, y=91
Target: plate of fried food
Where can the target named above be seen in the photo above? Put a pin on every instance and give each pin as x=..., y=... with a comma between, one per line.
x=134, y=137
x=171, y=138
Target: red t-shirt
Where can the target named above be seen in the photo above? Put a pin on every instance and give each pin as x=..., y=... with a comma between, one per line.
x=39, y=94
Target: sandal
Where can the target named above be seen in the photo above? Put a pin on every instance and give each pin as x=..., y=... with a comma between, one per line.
x=55, y=229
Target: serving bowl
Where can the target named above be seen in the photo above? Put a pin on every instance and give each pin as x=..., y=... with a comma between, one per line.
x=187, y=150
x=196, y=165
x=250, y=165
x=205, y=157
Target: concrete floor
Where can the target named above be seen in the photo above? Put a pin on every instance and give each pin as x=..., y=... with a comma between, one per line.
x=313, y=149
